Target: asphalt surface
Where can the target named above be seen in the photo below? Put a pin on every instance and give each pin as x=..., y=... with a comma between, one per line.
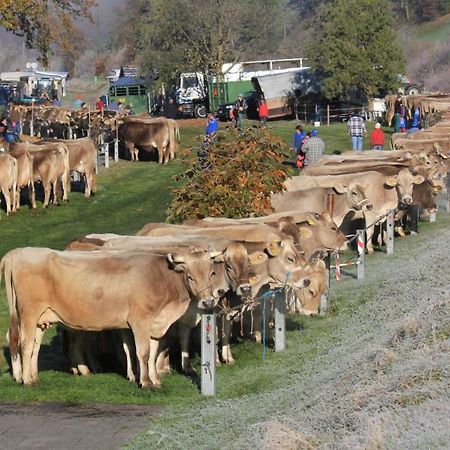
x=71, y=426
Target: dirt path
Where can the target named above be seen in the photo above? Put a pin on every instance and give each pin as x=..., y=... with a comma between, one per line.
x=70, y=426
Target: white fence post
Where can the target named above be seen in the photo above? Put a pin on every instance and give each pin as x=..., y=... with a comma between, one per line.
x=208, y=382
x=390, y=233
x=433, y=217
x=448, y=194
x=325, y=298
x=116, y=150
x=106, y=151
x=280, y=321
x=361, y=244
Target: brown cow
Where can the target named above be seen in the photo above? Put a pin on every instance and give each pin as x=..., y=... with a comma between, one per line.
x=148, y=135
x=24, y=175
x=8, y=181
x=50, y=163
x=82, y=158
x=99, y=290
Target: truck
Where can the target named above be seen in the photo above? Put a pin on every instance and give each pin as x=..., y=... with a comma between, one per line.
x=195, y=97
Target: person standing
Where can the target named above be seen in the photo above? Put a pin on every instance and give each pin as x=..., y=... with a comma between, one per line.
x=377, y=138
x=240, y=106
x=100, y=104
x=313, y=149
x=398, y=108
x=263, y=111
x=171, y=109
x=212, y=126
x=299, y=136
x=357, y=129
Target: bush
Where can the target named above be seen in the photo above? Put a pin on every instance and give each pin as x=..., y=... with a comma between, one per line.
x=233, y=177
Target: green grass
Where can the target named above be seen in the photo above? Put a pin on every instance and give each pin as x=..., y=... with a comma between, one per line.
x=128, y=196
x=437, y=31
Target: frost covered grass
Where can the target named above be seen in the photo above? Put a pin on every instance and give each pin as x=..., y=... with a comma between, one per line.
x=373, y=374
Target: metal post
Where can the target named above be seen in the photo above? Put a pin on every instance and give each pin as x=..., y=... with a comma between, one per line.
x=390, y=233
x=433, y=217
x=208, y=383
x=106, y=151
x=328, y=114
x=361, y=244
x=448, y=194
x=280, y=322
x=116, y=150
x=325, y=298
x=32, y=118
x=329, y=203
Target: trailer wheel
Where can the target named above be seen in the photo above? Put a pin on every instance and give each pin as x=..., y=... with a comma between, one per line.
x=412, y=90
x=200, y=111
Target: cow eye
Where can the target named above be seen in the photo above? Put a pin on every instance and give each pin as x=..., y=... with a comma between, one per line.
x=291, y=259
x=190, y=278
x=213, y=274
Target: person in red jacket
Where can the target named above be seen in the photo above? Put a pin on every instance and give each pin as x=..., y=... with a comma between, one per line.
x=263, y=111
x=377, y=137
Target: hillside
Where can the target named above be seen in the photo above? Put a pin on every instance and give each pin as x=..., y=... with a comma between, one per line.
x=436, y=31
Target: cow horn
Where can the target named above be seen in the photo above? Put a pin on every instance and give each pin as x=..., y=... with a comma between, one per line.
x=175, y=259
x=214, y=253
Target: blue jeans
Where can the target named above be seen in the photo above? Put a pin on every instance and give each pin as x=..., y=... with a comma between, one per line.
x=357, y=143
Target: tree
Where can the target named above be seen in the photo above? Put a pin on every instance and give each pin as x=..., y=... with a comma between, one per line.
x=355, y=48
x=200, y=35
x=44, y=23
x=240, y=172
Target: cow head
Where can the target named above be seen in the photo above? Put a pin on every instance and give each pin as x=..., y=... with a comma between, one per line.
x=404, y=182
x=306, y=301
x=356, y=196
x=237, y=265
x=320, y=233
x=199, y=275
x=285, y=264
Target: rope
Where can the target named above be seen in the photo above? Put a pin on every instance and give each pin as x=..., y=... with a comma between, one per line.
x=372, y=224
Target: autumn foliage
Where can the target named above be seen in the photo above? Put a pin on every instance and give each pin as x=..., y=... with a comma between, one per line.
x=236, y=178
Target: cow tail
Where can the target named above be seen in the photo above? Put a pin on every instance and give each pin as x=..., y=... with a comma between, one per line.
x=13, y=333
x=177, y=131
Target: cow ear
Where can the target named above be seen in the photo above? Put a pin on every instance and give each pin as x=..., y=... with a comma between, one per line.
x=257, y=258
x=320, y=265
x=340, y=188
x=254, y=278
x=418, y=179
x=311, y=219
x=406, y=156
x=176, y=262
x=391, y=181
x=273, y=248
x=305, y=233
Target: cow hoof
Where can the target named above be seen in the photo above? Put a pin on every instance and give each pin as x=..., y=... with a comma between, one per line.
x=370, y=251
x=190, y=372
x=230, y=362
x=156, y=386
x=145, y=385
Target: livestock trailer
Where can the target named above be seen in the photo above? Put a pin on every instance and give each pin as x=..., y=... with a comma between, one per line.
x=130, y=91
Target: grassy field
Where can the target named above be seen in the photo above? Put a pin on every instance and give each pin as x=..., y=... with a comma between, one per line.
x=128, y=196
x=438, y=30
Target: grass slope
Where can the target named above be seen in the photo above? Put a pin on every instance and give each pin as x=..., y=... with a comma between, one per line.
x=128, y=196
x=438, y=30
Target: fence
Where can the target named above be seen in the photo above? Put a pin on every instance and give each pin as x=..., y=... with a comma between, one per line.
x=316, y=112
x=208, y=326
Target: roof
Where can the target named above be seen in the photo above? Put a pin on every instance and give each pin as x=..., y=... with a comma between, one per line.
x=128, y=81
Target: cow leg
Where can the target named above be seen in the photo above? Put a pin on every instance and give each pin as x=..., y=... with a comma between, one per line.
x=370, y=219
x=27, y=338
x=7, y=196
x=142, y=341
x=184, y=331
x=16, y=363
x=35, y=355
x=127, y=343
x=227, y=357
x=54, y=189
x=163, y=361
x=47, y=191
x=77, y=340
x=17, y=199
x=88, y=184
x=32, y=195
x=154, y=346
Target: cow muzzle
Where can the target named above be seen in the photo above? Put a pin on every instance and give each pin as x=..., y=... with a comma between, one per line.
x=244, y=290
x=407, y=199
x=207, y=304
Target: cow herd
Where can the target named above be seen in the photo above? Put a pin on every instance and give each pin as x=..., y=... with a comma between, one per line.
x=48, y=162
x=152, y=287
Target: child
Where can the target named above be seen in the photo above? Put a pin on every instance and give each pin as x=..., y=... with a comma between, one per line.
x=377, y=138
x=402, y=128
